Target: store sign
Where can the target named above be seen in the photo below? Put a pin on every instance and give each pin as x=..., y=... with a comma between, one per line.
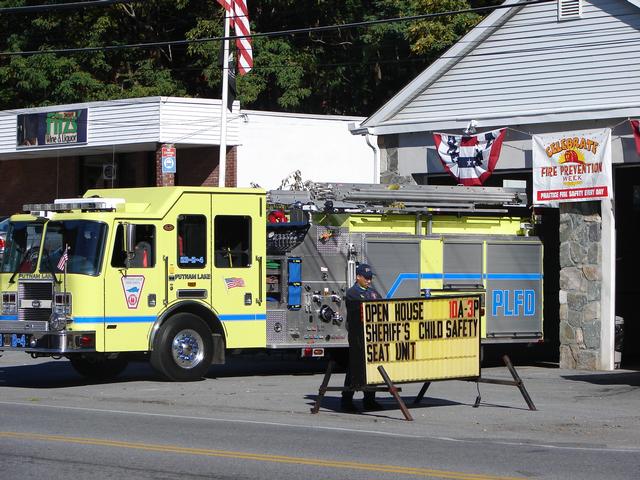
x=572, y=166
x=48, y=129
x=422, y=339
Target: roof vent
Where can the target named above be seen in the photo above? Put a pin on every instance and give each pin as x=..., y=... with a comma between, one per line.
x=569, y=9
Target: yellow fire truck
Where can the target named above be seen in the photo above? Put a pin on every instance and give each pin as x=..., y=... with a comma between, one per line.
x=179, y=275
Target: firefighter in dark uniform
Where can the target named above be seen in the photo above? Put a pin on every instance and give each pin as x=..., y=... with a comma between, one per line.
x=361, y=290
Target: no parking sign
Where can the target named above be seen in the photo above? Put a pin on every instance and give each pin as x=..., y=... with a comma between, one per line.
x=168, y=159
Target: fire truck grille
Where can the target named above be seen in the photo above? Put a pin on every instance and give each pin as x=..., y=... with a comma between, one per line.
x=30, y=292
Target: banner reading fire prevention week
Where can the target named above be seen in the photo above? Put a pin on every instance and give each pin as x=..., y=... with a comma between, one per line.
x=572, y=166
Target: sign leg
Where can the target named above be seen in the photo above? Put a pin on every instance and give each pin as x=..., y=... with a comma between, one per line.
x=516, y=382
x=394, y=391
x=323, y=387
x=519, y=382
x=423, y=390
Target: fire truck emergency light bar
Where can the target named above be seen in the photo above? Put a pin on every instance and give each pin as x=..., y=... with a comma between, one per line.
x=67, y=204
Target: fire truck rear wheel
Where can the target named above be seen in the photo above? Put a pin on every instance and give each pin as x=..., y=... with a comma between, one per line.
x=183, y=348
x=97, y=366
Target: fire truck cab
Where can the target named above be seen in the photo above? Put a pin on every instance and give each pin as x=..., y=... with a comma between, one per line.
x=174, y=274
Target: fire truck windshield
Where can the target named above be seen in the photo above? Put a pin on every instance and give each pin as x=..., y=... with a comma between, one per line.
x=22, y=247
x=84, y=242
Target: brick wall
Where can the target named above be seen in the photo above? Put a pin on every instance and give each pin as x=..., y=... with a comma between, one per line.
x=199, y=167
x=41, y=180
x=231, y=179
x=162, y=179
x=37, y=180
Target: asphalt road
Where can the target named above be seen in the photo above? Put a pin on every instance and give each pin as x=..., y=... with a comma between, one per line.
x=251, y=419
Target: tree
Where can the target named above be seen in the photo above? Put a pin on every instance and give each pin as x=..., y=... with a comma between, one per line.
x=432, y=37
x=344, y=71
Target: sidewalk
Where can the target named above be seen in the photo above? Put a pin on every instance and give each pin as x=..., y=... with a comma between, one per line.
x=573, y=407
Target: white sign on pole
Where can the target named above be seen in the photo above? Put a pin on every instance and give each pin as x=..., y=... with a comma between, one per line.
x=572, y=166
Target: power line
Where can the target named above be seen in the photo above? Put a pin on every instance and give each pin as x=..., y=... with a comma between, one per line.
x=280, y=33
x=56, y=7
x=383, y=61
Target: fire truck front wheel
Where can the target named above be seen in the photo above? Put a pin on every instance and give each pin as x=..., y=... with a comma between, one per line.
x=183, y=348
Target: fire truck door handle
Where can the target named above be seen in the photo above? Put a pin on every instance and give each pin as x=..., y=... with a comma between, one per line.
x=260, y=279
x=166, y=280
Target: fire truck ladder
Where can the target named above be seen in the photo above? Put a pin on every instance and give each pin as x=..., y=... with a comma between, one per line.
x=380, y=198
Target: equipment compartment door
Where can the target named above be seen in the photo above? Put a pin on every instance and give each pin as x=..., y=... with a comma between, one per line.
x=396, y=265
x=462, y=264
x=514, y=289
x=238, y=283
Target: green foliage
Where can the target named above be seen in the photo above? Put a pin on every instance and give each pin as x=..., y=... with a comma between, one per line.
x=432, y=37
x=348, y=71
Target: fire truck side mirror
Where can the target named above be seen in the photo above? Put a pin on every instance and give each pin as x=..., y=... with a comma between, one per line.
x=129, y=239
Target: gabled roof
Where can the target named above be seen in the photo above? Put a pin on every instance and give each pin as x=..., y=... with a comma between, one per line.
x=520, y=65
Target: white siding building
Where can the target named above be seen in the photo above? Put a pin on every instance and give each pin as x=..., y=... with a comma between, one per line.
x=119, y=144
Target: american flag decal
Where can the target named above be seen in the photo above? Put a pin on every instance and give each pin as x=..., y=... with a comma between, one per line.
x=470, y=158
x=635, y=125
x=234, y=282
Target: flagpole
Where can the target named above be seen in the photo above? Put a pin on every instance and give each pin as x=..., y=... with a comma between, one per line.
x=222, y=159
x=64, y=275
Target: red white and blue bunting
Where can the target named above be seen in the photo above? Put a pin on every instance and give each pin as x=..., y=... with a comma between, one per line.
x=470, y=158
x=635, y=125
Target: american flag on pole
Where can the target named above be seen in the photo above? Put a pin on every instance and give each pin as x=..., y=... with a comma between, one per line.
x=470, y=158
x=239, y=13
x=234, y=282
x=635, y=124
x=243, y=45
x=63, y=259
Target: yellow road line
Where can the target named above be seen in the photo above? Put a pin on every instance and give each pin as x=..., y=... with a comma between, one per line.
x=256, y=456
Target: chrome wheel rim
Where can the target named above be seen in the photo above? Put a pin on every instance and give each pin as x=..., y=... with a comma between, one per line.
x=187, y=349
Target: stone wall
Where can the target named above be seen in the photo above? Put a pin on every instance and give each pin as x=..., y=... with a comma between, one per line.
x=580, y=284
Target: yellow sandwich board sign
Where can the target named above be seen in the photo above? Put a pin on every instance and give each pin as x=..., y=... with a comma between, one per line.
x=422, y=339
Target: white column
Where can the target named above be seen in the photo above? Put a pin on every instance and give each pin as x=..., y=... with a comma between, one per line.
x=608, y=292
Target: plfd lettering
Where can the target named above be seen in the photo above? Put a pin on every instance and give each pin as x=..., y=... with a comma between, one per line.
x=513, y=303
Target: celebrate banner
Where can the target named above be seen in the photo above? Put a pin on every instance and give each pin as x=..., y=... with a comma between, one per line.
x=572, y=166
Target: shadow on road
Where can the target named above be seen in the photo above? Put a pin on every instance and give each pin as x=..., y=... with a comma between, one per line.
x=614, y=378
x=388, y=403
x=60, y=373
x=261, y=364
